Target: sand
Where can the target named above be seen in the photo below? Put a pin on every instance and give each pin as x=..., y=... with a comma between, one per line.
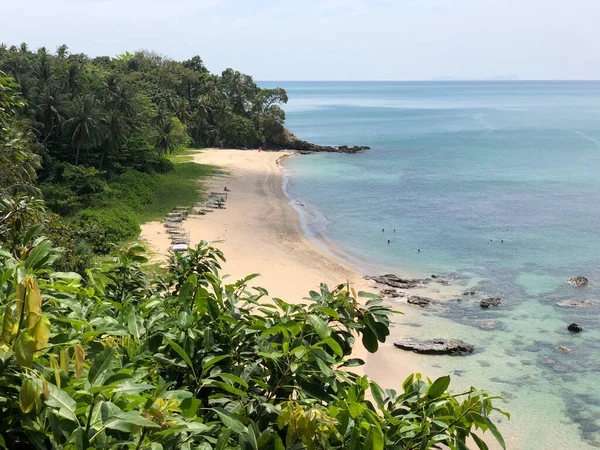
x=260, y=232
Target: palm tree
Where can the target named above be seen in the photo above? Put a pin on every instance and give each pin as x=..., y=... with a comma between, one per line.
x=83, y=126
x=123, y=98
x=51, y=110
x=180, y=109
x=114, y=131
x=62, y=51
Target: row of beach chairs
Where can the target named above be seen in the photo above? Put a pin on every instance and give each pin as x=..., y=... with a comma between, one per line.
x=180, y=239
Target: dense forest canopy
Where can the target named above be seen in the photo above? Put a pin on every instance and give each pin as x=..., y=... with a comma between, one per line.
x=124, y=111
x=97, y=130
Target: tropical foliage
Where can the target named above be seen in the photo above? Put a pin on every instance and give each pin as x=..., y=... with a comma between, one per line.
x=185, y=361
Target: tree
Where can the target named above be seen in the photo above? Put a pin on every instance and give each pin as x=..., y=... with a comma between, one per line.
x=170, y=134
x=51, y=110
x=83, y=126
x=18, y=163
x=62, y=51
x=114, y=130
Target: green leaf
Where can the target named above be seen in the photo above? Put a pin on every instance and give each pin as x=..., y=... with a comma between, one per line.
x=230, y=421
x=129, y=387
x=480, y=443
x=438, y=387
x=124, y=420
x=378, y=395
x=38, y=256
x=333, y=345
x=369, y=341
x=135, y=324
x=181, y=352
x=319, y=325
x=378, y=438
x=496, y=433
x=64, y=404
x=211, y=362
x=99, y=368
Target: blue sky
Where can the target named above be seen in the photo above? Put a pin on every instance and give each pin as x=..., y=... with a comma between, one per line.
x=329, y=39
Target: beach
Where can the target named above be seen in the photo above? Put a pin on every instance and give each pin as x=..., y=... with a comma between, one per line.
x=260, y=232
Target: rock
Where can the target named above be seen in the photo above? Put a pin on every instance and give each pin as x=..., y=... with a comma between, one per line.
x=575, y=328
x=493, y=301
x=436, y=346
x=434, y=276
x=578, y=281
x=390, y=292
x=419, y=301
x=562, y=348
x=286, y=140
x=488, y=324
x=394, y=281
x=575, y=303
x=469, y=293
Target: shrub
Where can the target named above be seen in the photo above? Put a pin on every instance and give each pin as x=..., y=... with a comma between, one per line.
x=185, y=361
x=102, y=227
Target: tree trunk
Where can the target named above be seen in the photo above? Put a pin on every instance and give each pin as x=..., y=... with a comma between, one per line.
x=77, y=154
x=101, y=160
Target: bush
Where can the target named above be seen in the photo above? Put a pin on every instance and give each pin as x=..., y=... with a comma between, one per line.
x=185, y=361
x=105, y=226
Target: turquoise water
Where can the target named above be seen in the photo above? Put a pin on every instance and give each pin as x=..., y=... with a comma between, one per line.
x=497, y=184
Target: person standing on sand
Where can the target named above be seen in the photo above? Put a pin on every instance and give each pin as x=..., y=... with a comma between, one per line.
x=259, y=149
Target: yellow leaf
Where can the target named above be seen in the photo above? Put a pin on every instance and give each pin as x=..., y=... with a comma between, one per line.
x=41, y=333
x=46, y=389
x=79, y=359
x=64, y=361
x=54, y=366
x=21, y=293
x=33, y=306
x=10, y=325
x=24, y=349
x=27, y=396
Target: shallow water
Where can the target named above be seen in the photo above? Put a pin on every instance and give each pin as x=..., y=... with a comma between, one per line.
x=497, y=184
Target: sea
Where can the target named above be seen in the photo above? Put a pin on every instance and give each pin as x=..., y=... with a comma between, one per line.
x=492, y=186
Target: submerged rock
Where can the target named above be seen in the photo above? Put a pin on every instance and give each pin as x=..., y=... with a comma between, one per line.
x=469, y=293
x=436, y=346
x=419, y=301
x=493, y=301
x=394, y=281
x=575, y=303
x=578, y=281
x=488, y=324
x=575, y=328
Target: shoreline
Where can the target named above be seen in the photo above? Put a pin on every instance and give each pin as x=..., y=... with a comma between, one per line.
x=260, y=231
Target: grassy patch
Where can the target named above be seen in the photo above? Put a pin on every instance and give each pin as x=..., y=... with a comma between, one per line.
x=181, y=186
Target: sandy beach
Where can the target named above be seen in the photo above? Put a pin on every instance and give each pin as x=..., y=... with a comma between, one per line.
x=259, y=232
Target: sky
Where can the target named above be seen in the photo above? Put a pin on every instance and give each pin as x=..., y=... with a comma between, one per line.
x=328, y=39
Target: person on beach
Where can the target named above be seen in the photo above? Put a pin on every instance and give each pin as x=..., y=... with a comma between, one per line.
x=389, y=241
x=259, y=149
x=382, y=230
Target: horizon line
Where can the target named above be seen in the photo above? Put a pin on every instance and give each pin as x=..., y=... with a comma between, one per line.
x=450, y=80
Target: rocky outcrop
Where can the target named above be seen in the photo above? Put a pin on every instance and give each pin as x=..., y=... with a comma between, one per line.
x=419, y=301
x=578, y=281
x=286, y=140
x=488, y=324
x=575, y=303
x=575, y=328
x=396, y=282
x=390, y=292
x=494, y=302
x=436, y=346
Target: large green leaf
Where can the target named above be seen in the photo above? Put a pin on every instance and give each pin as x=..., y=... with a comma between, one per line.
x=438, y=387
x=100, y=368
x=495, y=432
x=64, y=405
x=27, y=395
x=230, y=421
x=319, y=325
x=135, y=324
x=129, y=387
x=181, y=352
